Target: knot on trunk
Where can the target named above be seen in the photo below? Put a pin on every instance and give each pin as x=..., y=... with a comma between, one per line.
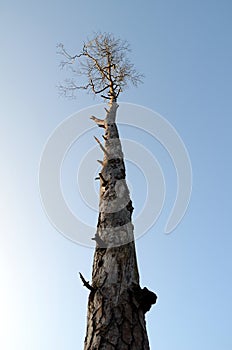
x=143, y=297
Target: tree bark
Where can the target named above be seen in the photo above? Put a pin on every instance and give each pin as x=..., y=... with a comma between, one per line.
x=117, y=304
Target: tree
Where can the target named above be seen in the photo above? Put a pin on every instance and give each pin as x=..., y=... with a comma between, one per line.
x=117, y=304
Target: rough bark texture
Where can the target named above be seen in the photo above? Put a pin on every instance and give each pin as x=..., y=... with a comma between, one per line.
x=117, y=304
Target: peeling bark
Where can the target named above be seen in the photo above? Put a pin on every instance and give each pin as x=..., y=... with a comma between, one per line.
x=117, y=304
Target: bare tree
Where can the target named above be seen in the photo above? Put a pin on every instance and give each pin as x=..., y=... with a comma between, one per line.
x=117, y=304
x=103, y=62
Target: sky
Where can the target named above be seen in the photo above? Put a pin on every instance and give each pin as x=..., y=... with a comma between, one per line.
x=183, y=48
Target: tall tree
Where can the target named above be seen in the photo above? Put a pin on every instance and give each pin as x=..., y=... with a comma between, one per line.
x=117, y=304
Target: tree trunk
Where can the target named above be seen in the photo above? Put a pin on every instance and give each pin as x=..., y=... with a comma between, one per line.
x=117, y=305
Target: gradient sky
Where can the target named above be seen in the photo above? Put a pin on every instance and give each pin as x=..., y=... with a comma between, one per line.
x=183, y=47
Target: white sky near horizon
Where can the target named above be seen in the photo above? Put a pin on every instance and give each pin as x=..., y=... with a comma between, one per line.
x=183, y=47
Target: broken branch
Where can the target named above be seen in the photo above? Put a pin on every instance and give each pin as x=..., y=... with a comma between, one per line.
x=99, y=122
x=85, y=283
x=99, y=241
x=102, y=147
x=104, y=182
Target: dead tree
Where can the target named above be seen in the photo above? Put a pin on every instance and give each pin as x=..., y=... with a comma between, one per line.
x=117, y=304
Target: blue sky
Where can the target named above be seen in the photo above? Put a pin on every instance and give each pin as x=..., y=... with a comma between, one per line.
x=184, y=50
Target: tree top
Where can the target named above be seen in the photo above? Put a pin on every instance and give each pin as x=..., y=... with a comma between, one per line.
x=101, y=67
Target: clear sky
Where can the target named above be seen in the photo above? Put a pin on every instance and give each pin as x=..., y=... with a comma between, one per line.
x=183, y=47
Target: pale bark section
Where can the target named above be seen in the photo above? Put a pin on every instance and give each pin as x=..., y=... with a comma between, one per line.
x=117, y=304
